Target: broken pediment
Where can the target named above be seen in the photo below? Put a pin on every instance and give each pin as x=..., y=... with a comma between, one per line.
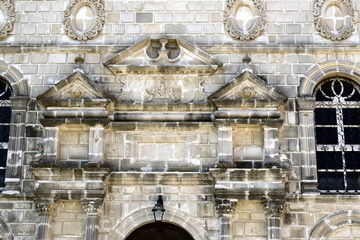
x=76, y=90
x=162, y=56
x=247, y=91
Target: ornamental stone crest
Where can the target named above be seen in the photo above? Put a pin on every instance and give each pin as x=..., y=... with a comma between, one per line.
x=84, y=19
x=334, y=19
x=7, y=17
x=244, y=19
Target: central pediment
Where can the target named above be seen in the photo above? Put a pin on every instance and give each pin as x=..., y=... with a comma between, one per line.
x=162, y=56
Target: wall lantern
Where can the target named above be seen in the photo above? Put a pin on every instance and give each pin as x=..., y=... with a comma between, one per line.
x=159, y=210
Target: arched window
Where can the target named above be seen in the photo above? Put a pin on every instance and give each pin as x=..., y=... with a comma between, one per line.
x=5, y=119
x=337, y=129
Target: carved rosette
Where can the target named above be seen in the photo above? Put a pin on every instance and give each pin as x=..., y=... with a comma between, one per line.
x=92, y=206
x=334, y=19
x=84, y=19
x=225, y=206
x=274, y=207
x=7, y=17
x=244, y=19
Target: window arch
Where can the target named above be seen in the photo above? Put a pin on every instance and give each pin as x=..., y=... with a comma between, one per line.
x=337, y=131
x=5, y=121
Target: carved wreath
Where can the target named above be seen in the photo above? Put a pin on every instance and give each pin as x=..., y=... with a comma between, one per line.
x=98, y=23
x=258, y=19
x=7, y=10
x=349, y=19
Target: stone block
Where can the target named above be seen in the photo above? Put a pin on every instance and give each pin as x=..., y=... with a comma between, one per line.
x=163, y=17
x=23, y=229
x=255, y=229
x=186, y=17
x=206, y=210
x=175, y=28
x=144, y=17
x=176, y=6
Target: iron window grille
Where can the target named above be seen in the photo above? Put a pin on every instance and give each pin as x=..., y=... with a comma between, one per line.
x=337, y=130
x=5, y=121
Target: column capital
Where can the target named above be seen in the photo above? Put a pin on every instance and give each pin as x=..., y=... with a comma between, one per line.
x=92, y=206
x=46, y=207
x=225, y=206
x=274, y=207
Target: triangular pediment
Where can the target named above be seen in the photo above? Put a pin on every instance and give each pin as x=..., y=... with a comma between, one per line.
x=162, y=56
x=75, y=89
x=247, y=88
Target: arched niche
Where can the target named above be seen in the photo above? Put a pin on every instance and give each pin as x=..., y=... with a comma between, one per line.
x=325, y=70
x=333, y=222
x=15, y=78
x=145, y=215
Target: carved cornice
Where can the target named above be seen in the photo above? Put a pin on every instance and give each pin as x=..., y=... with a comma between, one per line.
x=334, y=33
x=253, y=27
x=7, y=9
x=225, y=206
x=98, y=11
x=92, y=206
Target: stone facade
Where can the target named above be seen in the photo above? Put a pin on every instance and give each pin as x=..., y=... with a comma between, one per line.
x=211, y=104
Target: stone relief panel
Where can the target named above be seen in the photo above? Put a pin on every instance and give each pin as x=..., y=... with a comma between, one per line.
x=84, y=19
x=334, y=19
x=244, y=19
x=162, y=89
x=7, y=17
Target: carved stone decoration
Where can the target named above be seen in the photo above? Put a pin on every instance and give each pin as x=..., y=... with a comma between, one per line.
x=92, y=206
x=244, y=19
x=225, y=206
x=334, y=19
x=84, y=19
x=7, y=17
x=162, y=89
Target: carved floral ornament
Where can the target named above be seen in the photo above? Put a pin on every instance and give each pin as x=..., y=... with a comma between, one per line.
x=84, y=19
x=244, y=19
x=7, y=17
x=334, y=19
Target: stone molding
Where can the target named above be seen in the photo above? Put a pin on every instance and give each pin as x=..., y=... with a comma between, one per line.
x=92, y=207
x=145, y=215
x=257, y=26
x=15, y=78
x=332, y=222
x=320, y=7
x=7, y=8
x=326, y=69
x=225, y=206
x=46, y=207
x=72, y=30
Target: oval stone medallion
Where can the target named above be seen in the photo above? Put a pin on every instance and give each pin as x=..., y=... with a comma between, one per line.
x=334, y=18
x=84, y=18
x=244, y=18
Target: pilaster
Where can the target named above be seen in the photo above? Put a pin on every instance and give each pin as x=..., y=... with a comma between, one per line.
x=224, y=207
x=46, y=209
x=274, y=208
x=92, y=209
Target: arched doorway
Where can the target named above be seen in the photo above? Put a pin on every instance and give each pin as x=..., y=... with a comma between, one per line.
x=161, y=231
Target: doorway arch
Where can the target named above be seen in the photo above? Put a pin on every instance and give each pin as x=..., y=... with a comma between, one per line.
x=145, y=216
x=159, y=231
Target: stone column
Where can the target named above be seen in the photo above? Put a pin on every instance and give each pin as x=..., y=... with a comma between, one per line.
x=224, y=208
x=92, y=208
x=225, y=146
x=51, y=145
x=16, y=145
x=273, y=208
x=271, y=147
x=96, y=144
x=45, y=209
x=307, y=143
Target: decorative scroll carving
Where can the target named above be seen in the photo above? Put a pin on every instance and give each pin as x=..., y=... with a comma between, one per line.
x=84, y=19
x=334, y=19
x=162, y=89
x=244, y=19
x=7, y=17
x=225, y=206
